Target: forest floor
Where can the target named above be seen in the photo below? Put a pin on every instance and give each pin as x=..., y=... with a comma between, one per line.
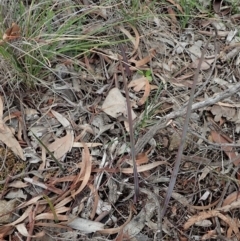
x=120, y=120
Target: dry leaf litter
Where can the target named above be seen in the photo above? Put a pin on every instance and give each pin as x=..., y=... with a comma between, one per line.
x=66, y=167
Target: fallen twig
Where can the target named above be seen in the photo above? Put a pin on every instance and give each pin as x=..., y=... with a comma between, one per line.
x=163, y=122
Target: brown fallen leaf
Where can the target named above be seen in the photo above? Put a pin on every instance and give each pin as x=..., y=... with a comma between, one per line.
x=143, y=61
x=228, y=150
x=217, y=7
x=24, y=232
x=7, y=137
x=143, y=168
x=64, y=144
x=85, y=172
x=176, y=5
x=142, y=158
x=234, y=196
x=135, y=41
x=172, y=15
x=209, y=234
x=118, y=229
x=61, y=146
x=213, y=213
x=146, y=93
x=140, y=84
x=12, y=33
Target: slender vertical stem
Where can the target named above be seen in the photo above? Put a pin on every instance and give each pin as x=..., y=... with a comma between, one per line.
x=130, y=121
x=183, y=136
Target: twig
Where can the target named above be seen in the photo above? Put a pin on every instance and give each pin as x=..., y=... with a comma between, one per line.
x=130, y=122
x=162, y=123
x=23, y=174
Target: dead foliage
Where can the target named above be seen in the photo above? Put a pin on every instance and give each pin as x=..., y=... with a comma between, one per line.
x=78, y=144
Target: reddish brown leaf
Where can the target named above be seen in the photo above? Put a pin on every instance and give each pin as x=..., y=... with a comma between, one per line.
x=218, y=138
x=234, y=196
x=217, y=5
x=176, y=5
x=12, y=33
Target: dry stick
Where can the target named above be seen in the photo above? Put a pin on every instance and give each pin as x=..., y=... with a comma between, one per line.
x=163, y=122
x=130, y=122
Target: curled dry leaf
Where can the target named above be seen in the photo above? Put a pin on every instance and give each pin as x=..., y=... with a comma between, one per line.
x=209, y=234
x=217, y=7
x=95, y=195
x=23, y=230
x=199, y=217
x=18, y=184
x=213, y=213
x=118, y=229
x=85, y=172
x=61, y=146
x=234, y=196
x=22, y=217
x=18, y=193
x=229, y=151
x=229, y=207
x=142, y=158
x=180, y=198
x=231, y=35
x=142, y=62
x=4, y=231
x=173, y=17
x=146, y=93
x=176, y=5
x=7, y=137
x=12, y=33
x=42, y=185
x=135, y=41
x=139, y=84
